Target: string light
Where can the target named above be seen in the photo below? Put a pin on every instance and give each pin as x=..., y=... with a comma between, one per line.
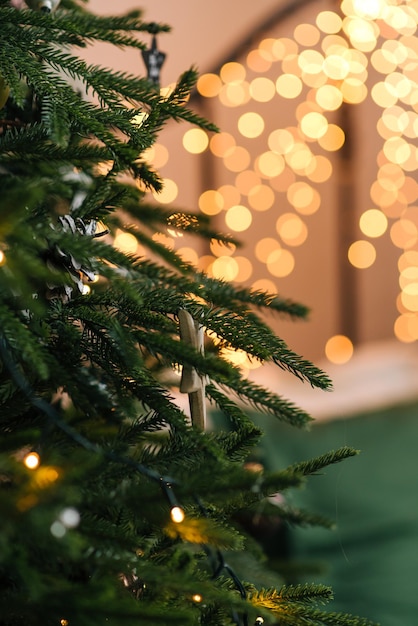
x=177, y=514
x=32, y=460
x=58, y=529
x=197, y=598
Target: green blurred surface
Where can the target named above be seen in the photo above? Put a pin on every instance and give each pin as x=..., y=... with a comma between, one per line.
x=371, y=559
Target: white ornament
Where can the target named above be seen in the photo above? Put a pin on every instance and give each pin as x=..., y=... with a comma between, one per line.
x=46, y=6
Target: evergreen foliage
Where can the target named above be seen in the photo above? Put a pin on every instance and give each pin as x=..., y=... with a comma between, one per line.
x=86, y=381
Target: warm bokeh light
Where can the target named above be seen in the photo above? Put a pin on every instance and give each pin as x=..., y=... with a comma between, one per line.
x=163, y=240
x=406, y=327
x=404, y=233
x=158, y=155
x=251, y=124
x=125, y=242
x=281, y=141
x=269, y=164
x=238, y=218
x=211, y=202
x=339, y=349
x=336, y=67
x=230, y=195
x=329, y=97
x=304, y=198
x=361, y=254
x=262, y=89
x=257, y=62
x=266, y=48
x=245, y=269
x=235, y=94
x=363, y=51
x=333, y=139
x=189, y=255
x=169, y=192
x=209, y=85
x=195, y=140
x=261, y=198
x=329, y=22
x=221, y=143
x=237, y=159
x=232, y=72
x=280, y=263
x=310, y=62
x=264, y=247
x=246, y=181
x=306, y=34
x=225, y=268
x=289, y=86
x=373, y=223
x=353, y=90
x=291, y=229
x=218, y=248
x=314, y=125
x=264, y=284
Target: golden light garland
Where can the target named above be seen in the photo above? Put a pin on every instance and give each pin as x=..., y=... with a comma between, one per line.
x=323, y=66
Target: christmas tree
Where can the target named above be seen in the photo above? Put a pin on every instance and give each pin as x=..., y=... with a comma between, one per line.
x=117, y=506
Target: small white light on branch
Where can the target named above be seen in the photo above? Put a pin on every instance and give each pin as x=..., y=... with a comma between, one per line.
x=197, y=598
x=70, y=517
x=58, y=529
x=177, y=514
x=32, y=460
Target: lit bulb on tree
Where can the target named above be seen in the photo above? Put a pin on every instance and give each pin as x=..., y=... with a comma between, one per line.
x=177, y=514
x=46, y=6
x=32, y=460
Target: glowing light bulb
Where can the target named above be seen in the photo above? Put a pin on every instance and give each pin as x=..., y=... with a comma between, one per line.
x=64, y=622
x=32, y=460
x=2, y=258
x=177, y=514
x=197, y=598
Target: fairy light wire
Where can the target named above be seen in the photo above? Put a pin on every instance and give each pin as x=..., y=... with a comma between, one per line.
x=166, y=483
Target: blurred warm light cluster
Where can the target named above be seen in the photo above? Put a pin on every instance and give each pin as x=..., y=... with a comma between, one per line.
x=364, y=49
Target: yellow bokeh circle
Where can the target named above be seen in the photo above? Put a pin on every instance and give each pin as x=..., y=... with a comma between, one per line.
x=238, y=218
x=362, y=254
x=339, y=349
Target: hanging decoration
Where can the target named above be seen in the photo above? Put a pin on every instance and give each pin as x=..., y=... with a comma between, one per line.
x=45, y=6
x=191, y=332
x=153, y=59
